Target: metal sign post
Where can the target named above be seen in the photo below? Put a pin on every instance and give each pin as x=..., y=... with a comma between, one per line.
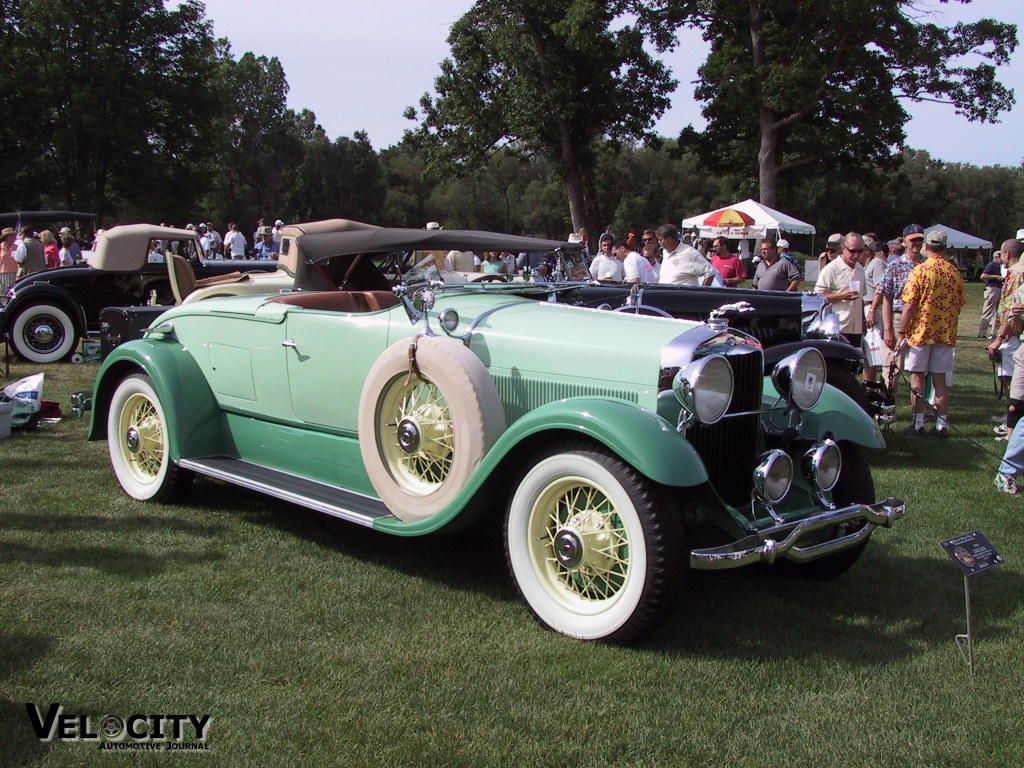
x=973, y=554
x=965, y=643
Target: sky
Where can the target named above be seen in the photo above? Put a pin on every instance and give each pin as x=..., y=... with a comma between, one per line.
x=358, y=66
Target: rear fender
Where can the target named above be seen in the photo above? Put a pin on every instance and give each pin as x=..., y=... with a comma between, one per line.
x=40, y=292
x=195, y=425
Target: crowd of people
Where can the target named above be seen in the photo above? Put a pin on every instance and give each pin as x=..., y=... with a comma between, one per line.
x=266, y=241
x=25, y=251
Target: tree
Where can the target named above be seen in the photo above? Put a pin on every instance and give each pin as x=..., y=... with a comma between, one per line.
x=790, y=83
x=266, y=140
x=118, y=96
x=546, y=76
x=339, y=179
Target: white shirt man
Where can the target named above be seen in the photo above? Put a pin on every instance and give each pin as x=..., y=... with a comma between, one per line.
x=682, y=264
x=276, y=231
x=635, y=268
x=234, y=243
x=218, y=243
x=206, y=242
x=843, y=283
x=605, y=266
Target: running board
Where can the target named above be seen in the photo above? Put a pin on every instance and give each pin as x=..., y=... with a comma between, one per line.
x=353, y=507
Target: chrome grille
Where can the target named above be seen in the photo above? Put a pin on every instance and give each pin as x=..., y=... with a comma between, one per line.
x=730, y=448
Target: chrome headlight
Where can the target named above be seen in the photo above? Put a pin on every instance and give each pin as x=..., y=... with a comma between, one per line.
x=773, y=476
x=800, y=378
x=704, y=388
x=821, y=465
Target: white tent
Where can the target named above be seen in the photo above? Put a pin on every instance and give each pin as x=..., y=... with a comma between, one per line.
x=958, y=239
x=765, y=220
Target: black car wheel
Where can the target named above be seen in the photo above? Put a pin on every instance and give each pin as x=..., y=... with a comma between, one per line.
x=43, y=333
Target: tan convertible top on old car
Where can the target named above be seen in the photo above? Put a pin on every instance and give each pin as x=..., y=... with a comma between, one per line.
x=126, y=247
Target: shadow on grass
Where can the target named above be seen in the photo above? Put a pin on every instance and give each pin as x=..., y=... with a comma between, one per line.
x=886, y=607
x=41, y=521
x=136, y=564
x=20, y=745
x=472, y=558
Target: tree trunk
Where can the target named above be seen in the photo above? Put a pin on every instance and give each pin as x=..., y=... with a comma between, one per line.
x=767, y=157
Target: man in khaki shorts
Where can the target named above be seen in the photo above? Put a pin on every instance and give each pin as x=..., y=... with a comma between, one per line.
x=932, y=299
x=888, y=297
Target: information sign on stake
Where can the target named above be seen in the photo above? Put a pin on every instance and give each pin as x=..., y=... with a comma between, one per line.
x=973, y=554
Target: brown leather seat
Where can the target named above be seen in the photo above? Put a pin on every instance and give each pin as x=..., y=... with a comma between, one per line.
x=340, y=301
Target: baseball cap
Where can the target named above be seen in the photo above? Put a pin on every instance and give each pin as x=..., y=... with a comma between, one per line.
x=869, y=243
x=913, y=232
x=278, y=223
x=1020, y=234
x=937, y=237
x=835, y=241
x=783, y=243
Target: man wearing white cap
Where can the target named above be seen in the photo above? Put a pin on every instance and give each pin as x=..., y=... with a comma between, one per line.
x=783, y=246
x=276, y=233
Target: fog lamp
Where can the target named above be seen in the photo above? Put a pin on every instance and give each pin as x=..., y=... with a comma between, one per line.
x=773, y=476
x=822, y=464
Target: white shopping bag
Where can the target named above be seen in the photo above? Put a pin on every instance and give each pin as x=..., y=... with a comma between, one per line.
x=874, y=348
x=26, y=395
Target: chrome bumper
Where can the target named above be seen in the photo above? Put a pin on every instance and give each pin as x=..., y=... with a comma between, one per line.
x=781, y=540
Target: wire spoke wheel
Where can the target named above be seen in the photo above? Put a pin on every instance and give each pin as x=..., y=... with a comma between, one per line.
x=581, y=542
x=138, y=441
x=142, y=436
x=596, y=550
x=422, y=436
x=419, y=443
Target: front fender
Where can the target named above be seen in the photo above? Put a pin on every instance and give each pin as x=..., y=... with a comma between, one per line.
x=44, y=292
x=835, y=413
x=638, y=436
x=195, y=425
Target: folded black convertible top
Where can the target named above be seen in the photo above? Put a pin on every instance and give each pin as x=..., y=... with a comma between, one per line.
x=324, y=245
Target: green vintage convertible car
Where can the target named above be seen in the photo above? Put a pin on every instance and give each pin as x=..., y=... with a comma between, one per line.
x=619, y=450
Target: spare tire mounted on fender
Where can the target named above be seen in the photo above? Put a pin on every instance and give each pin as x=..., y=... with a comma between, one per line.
x=424, y=430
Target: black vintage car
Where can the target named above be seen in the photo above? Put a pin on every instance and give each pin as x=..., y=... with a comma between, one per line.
x=782, y=321
x=45, y=314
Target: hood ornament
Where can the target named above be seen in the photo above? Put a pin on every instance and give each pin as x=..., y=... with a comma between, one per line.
x=718, y=319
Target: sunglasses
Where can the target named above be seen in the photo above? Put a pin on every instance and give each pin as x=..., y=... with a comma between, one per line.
x=856, y=250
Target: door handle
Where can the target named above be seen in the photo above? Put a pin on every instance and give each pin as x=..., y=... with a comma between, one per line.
x=290, y=343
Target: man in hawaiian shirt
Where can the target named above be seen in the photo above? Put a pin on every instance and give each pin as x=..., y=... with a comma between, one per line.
x=932, y=299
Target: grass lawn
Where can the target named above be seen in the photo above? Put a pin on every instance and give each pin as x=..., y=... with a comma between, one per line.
x=310, y=641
